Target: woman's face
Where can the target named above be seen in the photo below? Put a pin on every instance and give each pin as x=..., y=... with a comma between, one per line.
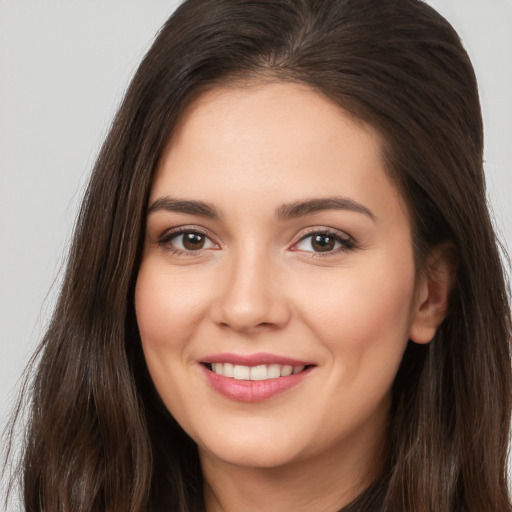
x=275, y=243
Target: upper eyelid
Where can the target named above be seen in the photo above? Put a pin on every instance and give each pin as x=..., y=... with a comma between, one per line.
x=179, y=230
x=301, y=235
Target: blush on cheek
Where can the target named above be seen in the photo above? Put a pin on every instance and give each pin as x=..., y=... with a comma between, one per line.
x=164, y=315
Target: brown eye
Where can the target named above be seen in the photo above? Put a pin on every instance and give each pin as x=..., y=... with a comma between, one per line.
x=323, y=242
x=193, y=241
x=183, y=242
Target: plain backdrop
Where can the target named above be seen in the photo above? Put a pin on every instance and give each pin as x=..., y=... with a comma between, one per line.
x=64, y=66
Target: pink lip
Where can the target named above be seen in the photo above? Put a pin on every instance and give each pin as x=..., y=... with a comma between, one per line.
x=252, y=390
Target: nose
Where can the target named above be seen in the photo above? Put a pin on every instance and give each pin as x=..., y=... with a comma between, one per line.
x=251, y=295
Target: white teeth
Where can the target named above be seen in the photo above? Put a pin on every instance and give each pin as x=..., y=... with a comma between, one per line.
x=228, y=370
x=241, y=372
x=274, y=371
x=260, y=372
x=286, y=370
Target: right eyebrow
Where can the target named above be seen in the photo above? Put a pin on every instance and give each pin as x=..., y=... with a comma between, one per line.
x=171, y=204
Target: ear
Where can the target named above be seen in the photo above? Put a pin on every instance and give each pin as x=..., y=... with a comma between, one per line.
x=433, y=290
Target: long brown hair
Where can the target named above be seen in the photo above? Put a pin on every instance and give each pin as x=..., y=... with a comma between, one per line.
x=98, y=436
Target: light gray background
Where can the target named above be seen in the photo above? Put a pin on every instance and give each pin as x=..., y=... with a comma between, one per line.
x=63, y=69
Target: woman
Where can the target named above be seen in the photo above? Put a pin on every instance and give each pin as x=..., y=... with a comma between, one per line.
x=342, y=344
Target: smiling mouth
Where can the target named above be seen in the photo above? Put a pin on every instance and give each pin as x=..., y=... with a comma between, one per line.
x=259, y=372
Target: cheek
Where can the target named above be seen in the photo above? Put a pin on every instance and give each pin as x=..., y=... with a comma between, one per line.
x=168, y=310
x=168, y=307
x=363, y=315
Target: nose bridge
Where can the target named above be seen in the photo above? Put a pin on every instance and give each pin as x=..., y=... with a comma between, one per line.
x=250, y=295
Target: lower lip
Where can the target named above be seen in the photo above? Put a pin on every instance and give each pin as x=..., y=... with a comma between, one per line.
x=252, y=390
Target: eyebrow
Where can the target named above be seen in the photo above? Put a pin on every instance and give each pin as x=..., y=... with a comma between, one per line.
x=170, y=204
x=310, y=206
x=284, y=212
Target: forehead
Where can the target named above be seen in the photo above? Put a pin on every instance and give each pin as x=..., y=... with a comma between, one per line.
x=275, y=140
x=273, y=105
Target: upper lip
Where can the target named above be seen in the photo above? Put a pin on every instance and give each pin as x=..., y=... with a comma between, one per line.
x=253, y=359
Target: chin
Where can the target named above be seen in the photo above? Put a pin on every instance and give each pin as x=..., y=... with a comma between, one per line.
x=257, y=458
x=267, y=450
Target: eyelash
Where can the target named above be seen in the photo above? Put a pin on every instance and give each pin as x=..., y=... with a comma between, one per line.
x=346, y=242
x=165, y=241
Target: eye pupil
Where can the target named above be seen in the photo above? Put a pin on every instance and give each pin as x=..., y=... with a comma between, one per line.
x=193, y=241
x=323, y=243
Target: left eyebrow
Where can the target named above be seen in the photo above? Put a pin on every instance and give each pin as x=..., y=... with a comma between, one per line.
x=301, y=208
